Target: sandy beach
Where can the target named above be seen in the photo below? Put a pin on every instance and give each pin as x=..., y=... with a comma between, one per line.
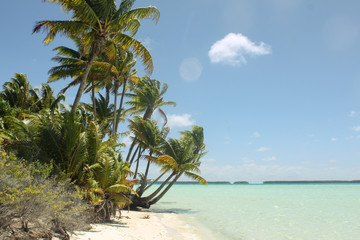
x=133, y=225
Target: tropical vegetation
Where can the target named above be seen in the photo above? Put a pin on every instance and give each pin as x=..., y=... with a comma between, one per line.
x=57, y=157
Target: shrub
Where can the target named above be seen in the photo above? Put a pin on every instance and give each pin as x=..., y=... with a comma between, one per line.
x=33, y=202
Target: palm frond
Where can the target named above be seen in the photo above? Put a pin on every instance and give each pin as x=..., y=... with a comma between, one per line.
x=196, y=177
x=149, y=12
x=65, y=51
x=68, y=28
x=164, y=159
x=137, y=47
x=120, y=188
x=81, y=9
x=125, y=6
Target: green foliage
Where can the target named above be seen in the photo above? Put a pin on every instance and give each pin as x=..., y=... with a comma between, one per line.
x=19, y=98
x=20, y=137
x=32, y=200
x=79, y=145
x=6, y=109
x=95, y=23
x=148, y=134
x=111, y=184
x=148, y=96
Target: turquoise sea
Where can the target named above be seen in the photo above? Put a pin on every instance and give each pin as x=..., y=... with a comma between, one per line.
x=268, y=212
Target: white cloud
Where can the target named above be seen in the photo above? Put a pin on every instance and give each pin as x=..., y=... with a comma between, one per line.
x=247, y=160
x=269, y=159
x=190, y=69
x=356, y=128
x=256, y=134
x=263, y=149
x=333, y=139
x=180, y=120
x=227, y=140
x=352, y=113
x=234, y=47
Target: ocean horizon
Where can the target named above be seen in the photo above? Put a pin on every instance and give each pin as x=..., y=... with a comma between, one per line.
x=270, y=182
x=267, y=211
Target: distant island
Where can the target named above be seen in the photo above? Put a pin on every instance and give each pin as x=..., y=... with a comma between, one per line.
x=241, y=182
x=209, y=182
x=311, y=182
x=269, y=182
x=192, y=182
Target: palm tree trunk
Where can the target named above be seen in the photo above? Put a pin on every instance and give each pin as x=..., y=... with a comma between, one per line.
x=115, y=112
x=107, y=89
x=107, y=211
x=148, y=198
x=147, y=115
x=144, y=181
x=155, y=181
x=130, y=150
x=82, y=85
x=133, y=157
x=137, y=164
x=155, y=200
x=121, y=101
x=93, y=100
x=96, y=47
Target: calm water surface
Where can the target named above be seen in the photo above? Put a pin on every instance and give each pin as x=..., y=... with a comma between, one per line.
x=268, y=212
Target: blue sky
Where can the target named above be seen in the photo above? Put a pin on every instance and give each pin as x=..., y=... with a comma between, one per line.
x=275, y=83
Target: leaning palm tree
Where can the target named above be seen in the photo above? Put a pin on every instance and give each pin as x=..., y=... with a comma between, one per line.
x=180, y=157
x=187, y=163
x=147, y=97
x=197, y=135
x=98, y=21
x=72, y=64
x=149, y=137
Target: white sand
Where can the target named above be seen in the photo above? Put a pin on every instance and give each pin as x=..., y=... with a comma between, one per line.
x=142, y=226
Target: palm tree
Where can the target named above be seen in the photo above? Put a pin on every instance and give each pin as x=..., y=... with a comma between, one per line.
x=47, y=100
x=72, y=64
x=98, y=21
x=111, y=184
x=20, y=136
x=147, y=97
x=197, y=135
x=182, y=158
x=149, y=137
x=116, y=67
x=62, y=140
x=105, y=112
x=18, y=92
x=122, y=72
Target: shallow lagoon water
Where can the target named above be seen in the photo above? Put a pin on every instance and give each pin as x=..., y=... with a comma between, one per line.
x=268, y=212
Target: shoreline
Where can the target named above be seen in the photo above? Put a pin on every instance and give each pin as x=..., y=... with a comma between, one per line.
x=141, y=225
